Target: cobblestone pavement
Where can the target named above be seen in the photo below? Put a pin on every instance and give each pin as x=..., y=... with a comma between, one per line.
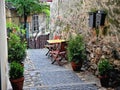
x=40, y=74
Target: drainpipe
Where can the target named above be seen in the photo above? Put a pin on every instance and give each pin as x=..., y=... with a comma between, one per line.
x=3, y=48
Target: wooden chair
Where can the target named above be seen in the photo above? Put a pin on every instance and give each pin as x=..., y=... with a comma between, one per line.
x=51, y=47
x=60, y=53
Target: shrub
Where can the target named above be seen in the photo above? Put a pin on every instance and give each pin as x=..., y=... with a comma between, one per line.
x=104, y=67
x=76, y=49
x=16, y=48
x=16, y=70
x=16, y=44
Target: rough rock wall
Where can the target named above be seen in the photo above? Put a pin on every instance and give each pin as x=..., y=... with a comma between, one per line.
x=70, y=17
x=65, y=16
x=75, y=13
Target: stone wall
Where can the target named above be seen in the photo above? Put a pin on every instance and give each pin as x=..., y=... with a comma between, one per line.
x=71, y=17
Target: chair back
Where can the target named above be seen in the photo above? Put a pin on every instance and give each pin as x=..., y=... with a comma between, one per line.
x=63, y=46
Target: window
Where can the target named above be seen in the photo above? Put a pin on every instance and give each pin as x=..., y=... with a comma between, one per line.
x=35, y=23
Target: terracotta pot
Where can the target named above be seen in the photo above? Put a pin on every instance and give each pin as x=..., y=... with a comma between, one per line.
x=104, y=80
x=17, y=84
x=76, y=66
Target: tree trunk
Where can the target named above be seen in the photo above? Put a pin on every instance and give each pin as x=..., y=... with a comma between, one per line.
x=25, y=22
x=25, y=17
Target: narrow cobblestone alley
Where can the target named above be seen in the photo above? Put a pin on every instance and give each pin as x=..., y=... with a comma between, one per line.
x=40, y=74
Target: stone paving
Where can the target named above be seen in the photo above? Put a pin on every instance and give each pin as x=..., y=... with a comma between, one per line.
x=40, y=74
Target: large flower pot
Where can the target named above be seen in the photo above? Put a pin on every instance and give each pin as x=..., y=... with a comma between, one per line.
x=104, y=80
x=76, y=66
x=17, y=84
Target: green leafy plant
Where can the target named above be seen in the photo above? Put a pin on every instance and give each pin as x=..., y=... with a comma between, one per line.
x=27, y=7
x=13, y=28
x=16, y=46
x=97, y=31
x=76, y=49
x=104, y=67
x=93, y=9
x=16, y=70
x=105, y=30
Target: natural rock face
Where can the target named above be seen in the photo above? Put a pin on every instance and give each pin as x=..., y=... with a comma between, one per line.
x=71, y=17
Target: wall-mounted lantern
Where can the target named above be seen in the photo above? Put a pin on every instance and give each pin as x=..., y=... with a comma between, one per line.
x=97, y=18
x=100, y=18
x=92, y=19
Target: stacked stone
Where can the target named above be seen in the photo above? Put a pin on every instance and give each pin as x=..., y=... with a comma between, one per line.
x=103, y=49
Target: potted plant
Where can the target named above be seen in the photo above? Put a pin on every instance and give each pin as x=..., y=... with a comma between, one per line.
x=16, y=44
x=16, y=48
x=76, y=52
x=104, y=68
x=16, y=75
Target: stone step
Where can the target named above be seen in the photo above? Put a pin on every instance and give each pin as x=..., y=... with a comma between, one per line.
x=70, y=86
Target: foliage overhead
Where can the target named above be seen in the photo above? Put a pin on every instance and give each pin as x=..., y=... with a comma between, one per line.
x=30, y=7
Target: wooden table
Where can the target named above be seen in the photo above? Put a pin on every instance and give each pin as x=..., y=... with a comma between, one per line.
x=59, y=53
x=51, y=45
x=56, y=41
